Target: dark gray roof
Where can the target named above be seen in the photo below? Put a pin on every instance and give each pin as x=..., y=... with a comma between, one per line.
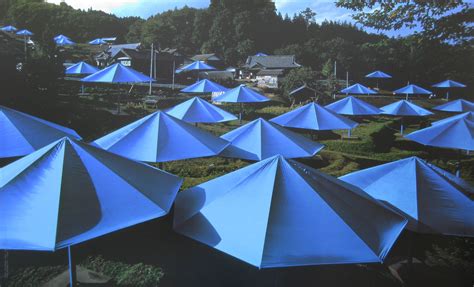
x=303, y=90
x=206, y=57
x=115, y=49
x=271, y=62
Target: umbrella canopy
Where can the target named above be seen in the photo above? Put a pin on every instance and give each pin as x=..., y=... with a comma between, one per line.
x=98, y=41
x=405, y=108
x=241, y=94
x=22, y=134
x=433, y=200
x=260, y=54
x=449, y=84
x=69, y=192
x=314, y=117
x=204, y=86
x=279, y=213
x=64, y=42
x=117, y=73
x=354, y=107
x=196, y=66
x=456, y=106
x=197, y=110
x=24, y=33
x=159, y=138
x=456, y=134
x=469, y=116
x=412, y=90
x=378, y=75
x=357, y=89
x=260, y=139
x=9, y=28
x=61, y=36
x=81, y=68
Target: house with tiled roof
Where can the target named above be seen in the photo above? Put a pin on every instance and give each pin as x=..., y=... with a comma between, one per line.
x=268, y=70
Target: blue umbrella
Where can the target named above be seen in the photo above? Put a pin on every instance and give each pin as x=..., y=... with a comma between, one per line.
x=412, y=90
x=97, y=41
x=204, y=86
x=433, y=200
x=353, y=107
x=159, y=137
x=196, y=66
x=64, y=42
x=260, y=54
x=69, y=192
x=455, y=133
x=260, y=139
x=357, y=89
x=378, y=75
x=468, y=115
x=22, y=134
x=9, y=28
x=456, y=106
x=241, y=94
x=280, y=213
x=197, y=110
x=117, y=73
x=81, y=68
x=448, y=84
x=404, y=108
x=314, y=117
x=24, y=33
x=61, y=36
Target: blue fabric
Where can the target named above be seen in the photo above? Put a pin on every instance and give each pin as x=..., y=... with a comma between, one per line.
x=204, y=86
x=354, y=107
x=260, y=54
x=412, y=90
x=404, y=108
x=81, y=68
x=97, y=41
x=379, y=75
x=196, y=66
x=61, y=36
x=456, y=106
x=433, y=200
x=314, y=117
x=197, y=110
x=69, y=192
x=22, y=134
x=9, y=28
x=357, y=89
x=260, y=139
x=24, y=33
x=117, y=73
x=278, y=213
x=456, y=134
x=64, y=42
x=449, y=84
x=159, y=138
x=241, y=94
x=469, y=116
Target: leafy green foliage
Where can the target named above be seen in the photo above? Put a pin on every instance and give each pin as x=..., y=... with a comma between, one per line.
x=34, y=276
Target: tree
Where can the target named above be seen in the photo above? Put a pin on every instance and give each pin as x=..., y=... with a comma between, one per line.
x=309, y=16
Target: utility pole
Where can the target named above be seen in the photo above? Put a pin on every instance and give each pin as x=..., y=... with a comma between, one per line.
x=347, y=79
x=335, y=69
x=151, y=68
x=174, y=70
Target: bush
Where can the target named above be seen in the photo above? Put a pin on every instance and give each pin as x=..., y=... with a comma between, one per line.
x=383, y=139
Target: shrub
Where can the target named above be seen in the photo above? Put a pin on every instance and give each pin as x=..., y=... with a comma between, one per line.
x=383, y=139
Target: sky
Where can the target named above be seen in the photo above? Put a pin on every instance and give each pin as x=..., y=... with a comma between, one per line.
x=325, y=9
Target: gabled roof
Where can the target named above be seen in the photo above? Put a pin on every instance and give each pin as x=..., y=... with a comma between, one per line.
x=272, y=62
x=206, y=57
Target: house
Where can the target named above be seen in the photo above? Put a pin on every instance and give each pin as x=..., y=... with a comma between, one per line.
x=268, y=70
x=109, y=56
x=302, y=94
x=269, y=78
x=210, y=59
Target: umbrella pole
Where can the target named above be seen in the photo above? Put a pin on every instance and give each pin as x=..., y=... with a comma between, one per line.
x=447, y=96
x=72, y=268
x=458, y=165
x=406, y=98
x=401, y=126
x=241, y=113
x=349, y=133
x=82, y=89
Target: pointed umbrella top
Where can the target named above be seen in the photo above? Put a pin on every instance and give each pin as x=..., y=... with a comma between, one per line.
x=81, y=68
x=433, y=200
x=412, y=90
x=354, y=107
x=159, y=138
x=204, y=86
x=357, y=89
x=9, y=28
x=260, y=139
x=197, y=110
x=69, y=192
x=117, y=73
x=404, y=108
x=260, y=54
x=22, y=134
x=314, y=117
x=449, y=84
x=98, y=41
x=61, y=36
x=456, y=134
x=468, y=115
x=456, y=106
x=196, y=66
x=280, y=213
x=378, y=75
x=24, y=33
x=64, y=42
x=241, y=94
